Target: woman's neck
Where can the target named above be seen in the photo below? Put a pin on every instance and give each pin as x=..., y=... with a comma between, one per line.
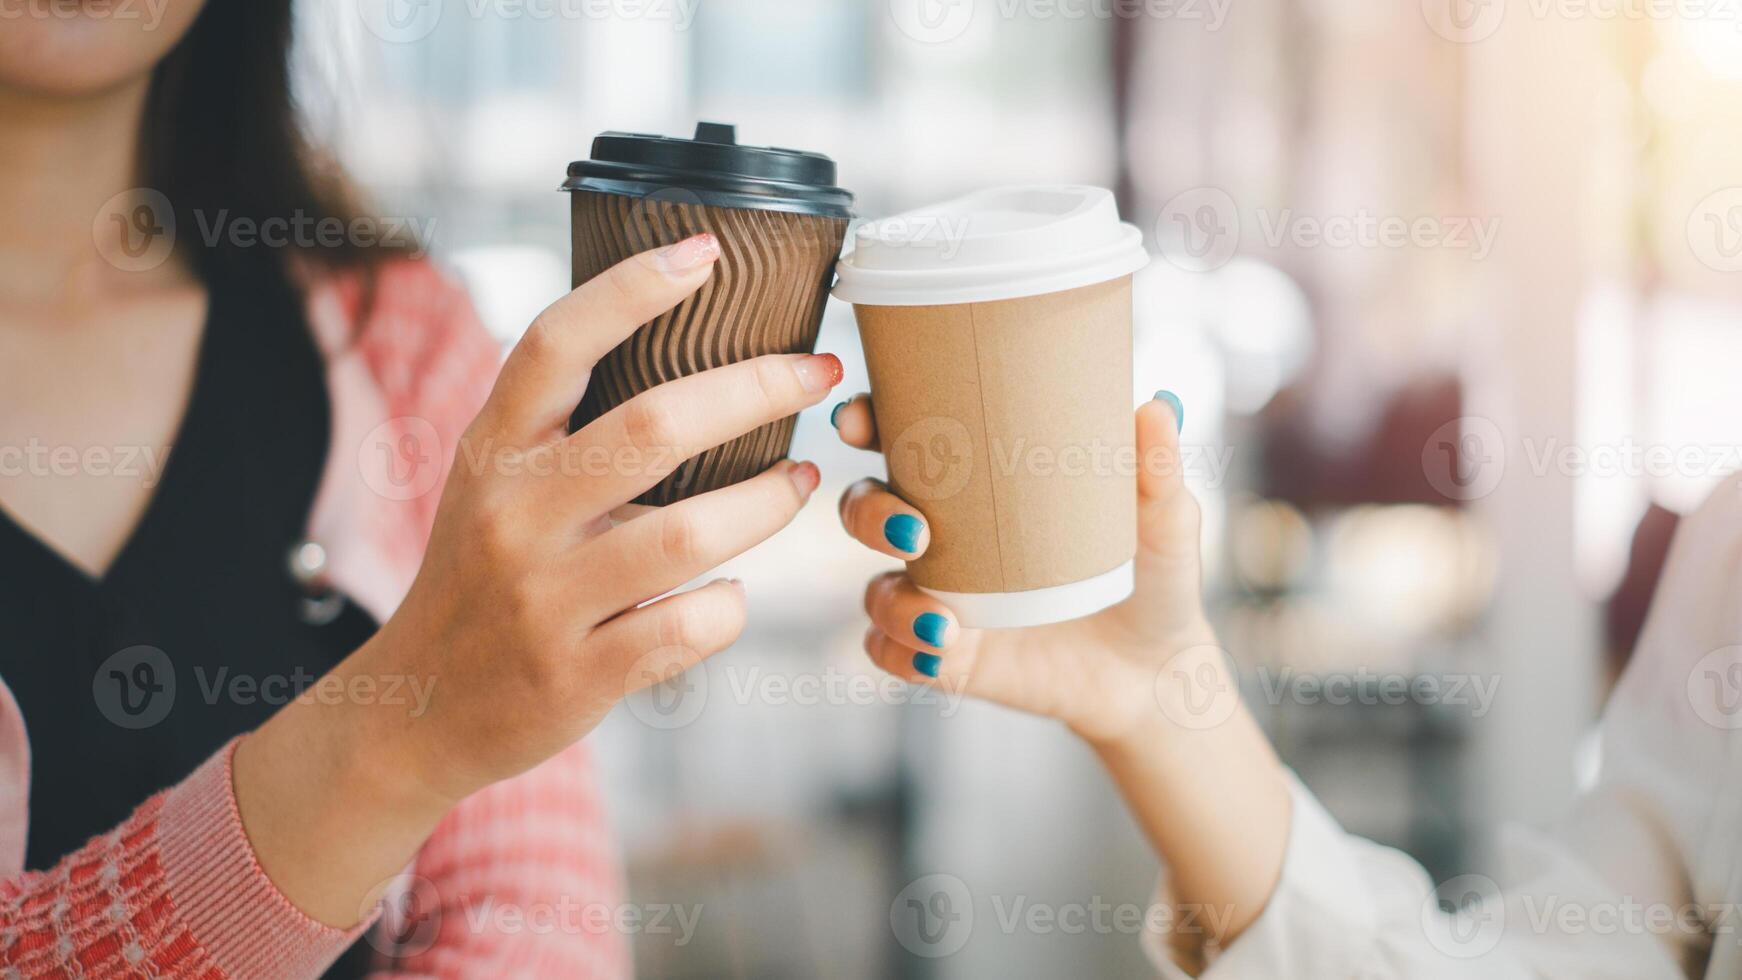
x=66, y=159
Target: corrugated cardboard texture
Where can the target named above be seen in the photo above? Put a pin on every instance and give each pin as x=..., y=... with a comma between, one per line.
x=766, y=296
x=1010, y=426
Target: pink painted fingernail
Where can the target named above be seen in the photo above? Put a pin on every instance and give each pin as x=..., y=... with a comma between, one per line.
x=805, y=477
x=819, y=372
x=689, y=254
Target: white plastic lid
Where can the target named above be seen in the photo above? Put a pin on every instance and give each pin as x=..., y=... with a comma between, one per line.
x=995, y=244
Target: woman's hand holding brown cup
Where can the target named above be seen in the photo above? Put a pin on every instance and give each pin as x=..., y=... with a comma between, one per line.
x=527, y=615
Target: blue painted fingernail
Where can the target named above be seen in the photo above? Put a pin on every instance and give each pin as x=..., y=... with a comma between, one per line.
x=835, y=415
x=1173, y=402
x=902, y=531
x=927, y=663
x=930, y=628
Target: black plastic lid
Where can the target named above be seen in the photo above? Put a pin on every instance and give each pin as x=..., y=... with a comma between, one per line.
x=713, y=169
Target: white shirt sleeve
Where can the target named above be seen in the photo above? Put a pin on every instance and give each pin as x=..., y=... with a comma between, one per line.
x=1635, y=884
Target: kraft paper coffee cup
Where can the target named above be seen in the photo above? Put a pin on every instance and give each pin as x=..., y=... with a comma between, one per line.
x=997, y=329
x=780, y=220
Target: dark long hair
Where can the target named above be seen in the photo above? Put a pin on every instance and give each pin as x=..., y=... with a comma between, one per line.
x=222, y=135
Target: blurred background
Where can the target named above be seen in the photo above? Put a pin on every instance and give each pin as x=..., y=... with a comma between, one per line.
x=1447, y=288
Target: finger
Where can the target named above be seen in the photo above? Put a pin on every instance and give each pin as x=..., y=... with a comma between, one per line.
x=884, y=522
x=856, y=423
x=647, y=437
x=1167, y=514
x=547, y=372
x=653, y=554
x=659, y=641
x=896, y=659
x=1044, y=678
x=912, y=618
x=1158, y=427
x=891, y=655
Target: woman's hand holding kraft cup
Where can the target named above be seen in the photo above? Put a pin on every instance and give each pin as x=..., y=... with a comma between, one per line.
x=1143, y=682
x=524, y=613
x=1096, y=674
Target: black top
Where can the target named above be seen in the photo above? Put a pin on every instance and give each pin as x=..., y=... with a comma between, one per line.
x=714, y=170
x=198, y=631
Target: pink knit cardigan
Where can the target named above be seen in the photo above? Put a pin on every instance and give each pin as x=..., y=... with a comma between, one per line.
x=175, y=891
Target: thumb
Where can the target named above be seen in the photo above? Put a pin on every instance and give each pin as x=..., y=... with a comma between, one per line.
x=1167, y=513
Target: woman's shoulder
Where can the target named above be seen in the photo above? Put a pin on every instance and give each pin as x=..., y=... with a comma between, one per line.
x=1708, y=544
x=402, y=309
x=1722, y=508
x=409, y=364
x=1695, y=614
x=413, y=328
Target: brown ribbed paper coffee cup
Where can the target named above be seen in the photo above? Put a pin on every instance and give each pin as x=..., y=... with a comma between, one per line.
x=765, y=296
